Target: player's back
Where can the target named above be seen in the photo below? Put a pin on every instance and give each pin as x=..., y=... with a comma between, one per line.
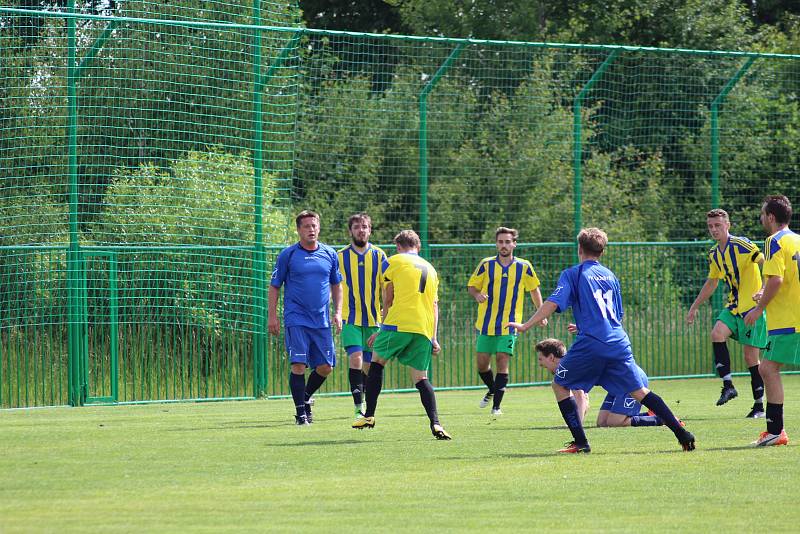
x=415, y=286
x=783, y=259
x=597, y=304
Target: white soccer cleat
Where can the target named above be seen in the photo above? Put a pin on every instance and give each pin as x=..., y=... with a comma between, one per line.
x=486, y=400
x=497, y=411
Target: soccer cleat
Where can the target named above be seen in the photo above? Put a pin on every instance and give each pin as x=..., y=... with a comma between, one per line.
x=573, y=448
x=300, y=420
x=497, y=411
x=726, y=395
x=364, y=422
x=309, y=415
x=756, y=413
x=687, y=441
x=440, y=433
x=486, y=400
x=765, y=439
x=359, y=411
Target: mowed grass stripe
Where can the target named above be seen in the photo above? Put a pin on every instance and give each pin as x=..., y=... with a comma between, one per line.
x=240, y=466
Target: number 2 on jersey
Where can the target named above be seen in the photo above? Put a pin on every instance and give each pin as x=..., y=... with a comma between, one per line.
x=605, y=301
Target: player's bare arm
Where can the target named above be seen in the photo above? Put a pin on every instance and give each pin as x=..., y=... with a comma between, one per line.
x=436, y=347
x=536, y=298
x=388, y=299
x=477, y=295
x=273, y=323
x=336, y=296
x=544, y=312
x=705, y=293
x=769, y=290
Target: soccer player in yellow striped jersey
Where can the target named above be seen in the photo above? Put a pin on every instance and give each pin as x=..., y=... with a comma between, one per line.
x=408, y=331
x=498, y=285
x=361, y=265
x=781, y=300
x=735, y=260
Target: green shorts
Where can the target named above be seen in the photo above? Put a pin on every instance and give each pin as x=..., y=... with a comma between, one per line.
x=754, y=336
x=413, y=350
x=354, y=338
x=492, y=344
x=784, y=348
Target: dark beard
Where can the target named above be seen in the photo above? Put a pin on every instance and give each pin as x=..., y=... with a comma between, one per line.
x=359, y=244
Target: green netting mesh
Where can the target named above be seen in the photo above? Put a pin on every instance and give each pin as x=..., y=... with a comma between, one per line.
x=152, y=157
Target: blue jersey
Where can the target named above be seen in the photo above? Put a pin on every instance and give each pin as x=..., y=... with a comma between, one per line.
x=308, y=276
x=592, y=291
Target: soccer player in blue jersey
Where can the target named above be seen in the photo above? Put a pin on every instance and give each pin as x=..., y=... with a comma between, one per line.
x=498, y=285
x=735, y=260
x=781, y=300
x=361, y=264
x=601, y=354
x=309, y=271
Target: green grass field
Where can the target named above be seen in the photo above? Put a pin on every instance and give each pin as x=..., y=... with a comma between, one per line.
x=238, y=466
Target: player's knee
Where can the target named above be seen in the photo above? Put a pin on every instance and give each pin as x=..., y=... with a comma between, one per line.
x=720, y=333
x=324, y=370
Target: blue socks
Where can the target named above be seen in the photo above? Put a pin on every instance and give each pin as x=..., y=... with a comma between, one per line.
x=569, y=411
x=297, y=384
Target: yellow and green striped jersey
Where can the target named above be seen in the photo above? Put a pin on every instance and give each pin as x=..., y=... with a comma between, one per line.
x=783, y=259
x=737, y=264
x=362, y=282
x=506, y=288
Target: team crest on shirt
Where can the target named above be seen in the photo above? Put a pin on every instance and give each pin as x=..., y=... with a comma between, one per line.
x=505, y=275
x=629, y=402
x=561, y=372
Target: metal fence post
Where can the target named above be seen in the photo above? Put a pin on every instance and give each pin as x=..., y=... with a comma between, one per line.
x=423, y=148
x=577, y=151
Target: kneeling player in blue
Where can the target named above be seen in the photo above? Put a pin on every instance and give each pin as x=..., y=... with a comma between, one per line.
x=616, y=410
x=601, y=354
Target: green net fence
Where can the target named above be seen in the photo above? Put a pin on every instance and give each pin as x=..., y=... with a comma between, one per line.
x=152, y=157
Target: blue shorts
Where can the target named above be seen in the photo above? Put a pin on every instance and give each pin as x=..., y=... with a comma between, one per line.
x=590, y=363
x=311, y=346
x=622, y=405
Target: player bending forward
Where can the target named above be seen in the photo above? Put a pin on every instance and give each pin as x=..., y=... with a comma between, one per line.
x=601, y=354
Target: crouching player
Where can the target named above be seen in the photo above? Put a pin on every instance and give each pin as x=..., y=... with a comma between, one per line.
x=616, y=410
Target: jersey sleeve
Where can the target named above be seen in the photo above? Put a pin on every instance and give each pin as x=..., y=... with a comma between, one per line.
x=335, y=273
x=714, y=271
x=776, y=263
x=478, y=276
x=529, y=279
x=280, y=270
x=387, y=269
x=562, y=296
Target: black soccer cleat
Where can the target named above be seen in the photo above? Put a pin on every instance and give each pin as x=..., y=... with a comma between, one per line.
x=728, y=393
x=309, y=414
x=687, y=441
x=300, y=420
x=757, y=412
x=440, y=433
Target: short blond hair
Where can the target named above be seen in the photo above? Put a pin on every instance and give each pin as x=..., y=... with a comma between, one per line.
x=504, y=230
x=407, y=239
x=593, y=240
